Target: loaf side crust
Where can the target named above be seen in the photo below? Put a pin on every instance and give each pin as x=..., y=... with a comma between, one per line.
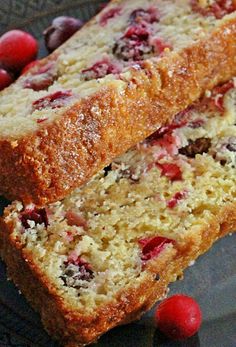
x=45, y=166
x=73, y=328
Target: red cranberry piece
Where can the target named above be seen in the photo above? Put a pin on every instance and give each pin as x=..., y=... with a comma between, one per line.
x=171, y=171
x=179, y=121
x=160, y=46
x=41, y=120
x=109, y=14
x=49, y=68
x=178, y=317
x=17, y=49
x=38, y=215
x=152, y=246
x=39, y=82
x=164, y=136
x=166, y=130
x=183, y=116
x=76, y=269
x=176, y=198
x=76, y=219
x=42, y=78
x=134, y=45
x=136, y=32
x=55, y=100
x=62, y=29
x=100, y=69
x=140, y=15
x=131, y=50
x=76, y=260
x=5, y=79
x=215, y=101
x=219, y=8
x=168, y=144
x=218, y=94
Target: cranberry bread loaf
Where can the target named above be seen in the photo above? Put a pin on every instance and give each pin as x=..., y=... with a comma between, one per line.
x=128, y=71
x=106, y=253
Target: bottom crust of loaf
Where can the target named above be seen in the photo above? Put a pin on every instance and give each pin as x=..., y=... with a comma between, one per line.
x=75, y=330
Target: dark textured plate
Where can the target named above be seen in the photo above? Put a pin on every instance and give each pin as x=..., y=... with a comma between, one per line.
x=212, y=280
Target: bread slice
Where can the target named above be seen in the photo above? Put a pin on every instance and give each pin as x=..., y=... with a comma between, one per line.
x=106, y=253
x=128, y=71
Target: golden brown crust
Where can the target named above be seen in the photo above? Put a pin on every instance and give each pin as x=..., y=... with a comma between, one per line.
x=73, y=328
x=47, y=165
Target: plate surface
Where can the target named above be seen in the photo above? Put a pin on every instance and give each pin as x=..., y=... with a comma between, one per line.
x=212, y=280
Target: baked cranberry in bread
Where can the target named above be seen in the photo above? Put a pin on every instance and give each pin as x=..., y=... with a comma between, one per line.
x=116, y=81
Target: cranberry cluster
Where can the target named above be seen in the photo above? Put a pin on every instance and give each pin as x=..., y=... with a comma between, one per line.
x=17, y=49
x=135, y=44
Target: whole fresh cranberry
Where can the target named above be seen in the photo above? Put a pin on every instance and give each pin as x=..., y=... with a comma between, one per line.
x=5, y=79
x=17, y=49
x=62, y=29
x=178, y=317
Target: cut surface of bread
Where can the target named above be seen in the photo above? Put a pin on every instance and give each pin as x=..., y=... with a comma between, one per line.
x=122, y=76
x=106, y=253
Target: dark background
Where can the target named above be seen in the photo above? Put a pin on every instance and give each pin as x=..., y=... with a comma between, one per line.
x=212, y=280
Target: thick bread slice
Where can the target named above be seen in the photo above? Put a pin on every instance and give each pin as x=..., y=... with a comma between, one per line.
x=106, y=253
x=74, y=329
x=127, y=72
